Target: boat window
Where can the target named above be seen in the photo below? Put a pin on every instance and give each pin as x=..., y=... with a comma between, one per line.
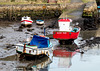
x=25, y=17
x=28, y=43
x=71, y=24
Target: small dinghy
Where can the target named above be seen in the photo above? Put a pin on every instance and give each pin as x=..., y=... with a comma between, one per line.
x=25, y=21
x=39, y=22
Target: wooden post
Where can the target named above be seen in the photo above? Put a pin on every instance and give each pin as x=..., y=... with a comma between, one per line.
x=24, y=50
x=44, y=30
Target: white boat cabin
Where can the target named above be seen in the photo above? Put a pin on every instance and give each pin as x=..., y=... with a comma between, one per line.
x=26, y=18
x=64, y=24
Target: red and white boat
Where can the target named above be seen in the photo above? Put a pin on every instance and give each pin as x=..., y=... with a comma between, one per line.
x=26, y=21
x=66, y=32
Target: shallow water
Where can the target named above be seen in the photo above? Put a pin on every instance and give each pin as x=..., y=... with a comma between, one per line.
x=89, y=61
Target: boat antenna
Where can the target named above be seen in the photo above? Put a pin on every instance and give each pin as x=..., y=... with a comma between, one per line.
x=44, y=28
x=66, y=16
x=26, y=39
x=63, y=16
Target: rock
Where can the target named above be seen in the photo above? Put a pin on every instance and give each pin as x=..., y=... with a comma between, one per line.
x=53, y=25
x=1, y=37
x=35, y=33
x=89, y=24
x=30, y=30
x=91, y=42
x=21, y=27
x=19, y=30
x=33, y=29
x=41, y=28
x=27, y=33
x=32, y=34
x=3, y=63
x=10, y=46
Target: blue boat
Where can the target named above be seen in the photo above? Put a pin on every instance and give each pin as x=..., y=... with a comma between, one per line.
x=38, y=45
x=39, y=22
x=98, y=7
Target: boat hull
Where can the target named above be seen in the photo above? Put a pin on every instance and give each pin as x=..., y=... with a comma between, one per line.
x=26, y=22
x=32, y=51
x=65, y=35
x=39, y=45
x=39, y=22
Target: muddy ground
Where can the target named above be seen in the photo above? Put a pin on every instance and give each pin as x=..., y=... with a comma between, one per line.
x=11, y=34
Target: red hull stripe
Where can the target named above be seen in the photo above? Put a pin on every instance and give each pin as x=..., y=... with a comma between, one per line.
x=64, y=20
x=27, y=21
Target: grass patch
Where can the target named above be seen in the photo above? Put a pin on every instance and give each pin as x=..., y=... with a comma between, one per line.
x=19, y=3
x=70, y=16
x=86, y=1
x=13, y=3
x=32, y=2
x=68, y=10
x=22, y=3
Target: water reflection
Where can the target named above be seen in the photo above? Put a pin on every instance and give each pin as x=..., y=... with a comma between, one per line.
x=64, y=55
x=35, y=65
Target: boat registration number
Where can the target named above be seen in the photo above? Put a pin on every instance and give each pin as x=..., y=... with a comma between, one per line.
x=61, y=32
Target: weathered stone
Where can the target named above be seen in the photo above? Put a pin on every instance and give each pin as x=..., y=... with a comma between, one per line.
x=1, y=37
